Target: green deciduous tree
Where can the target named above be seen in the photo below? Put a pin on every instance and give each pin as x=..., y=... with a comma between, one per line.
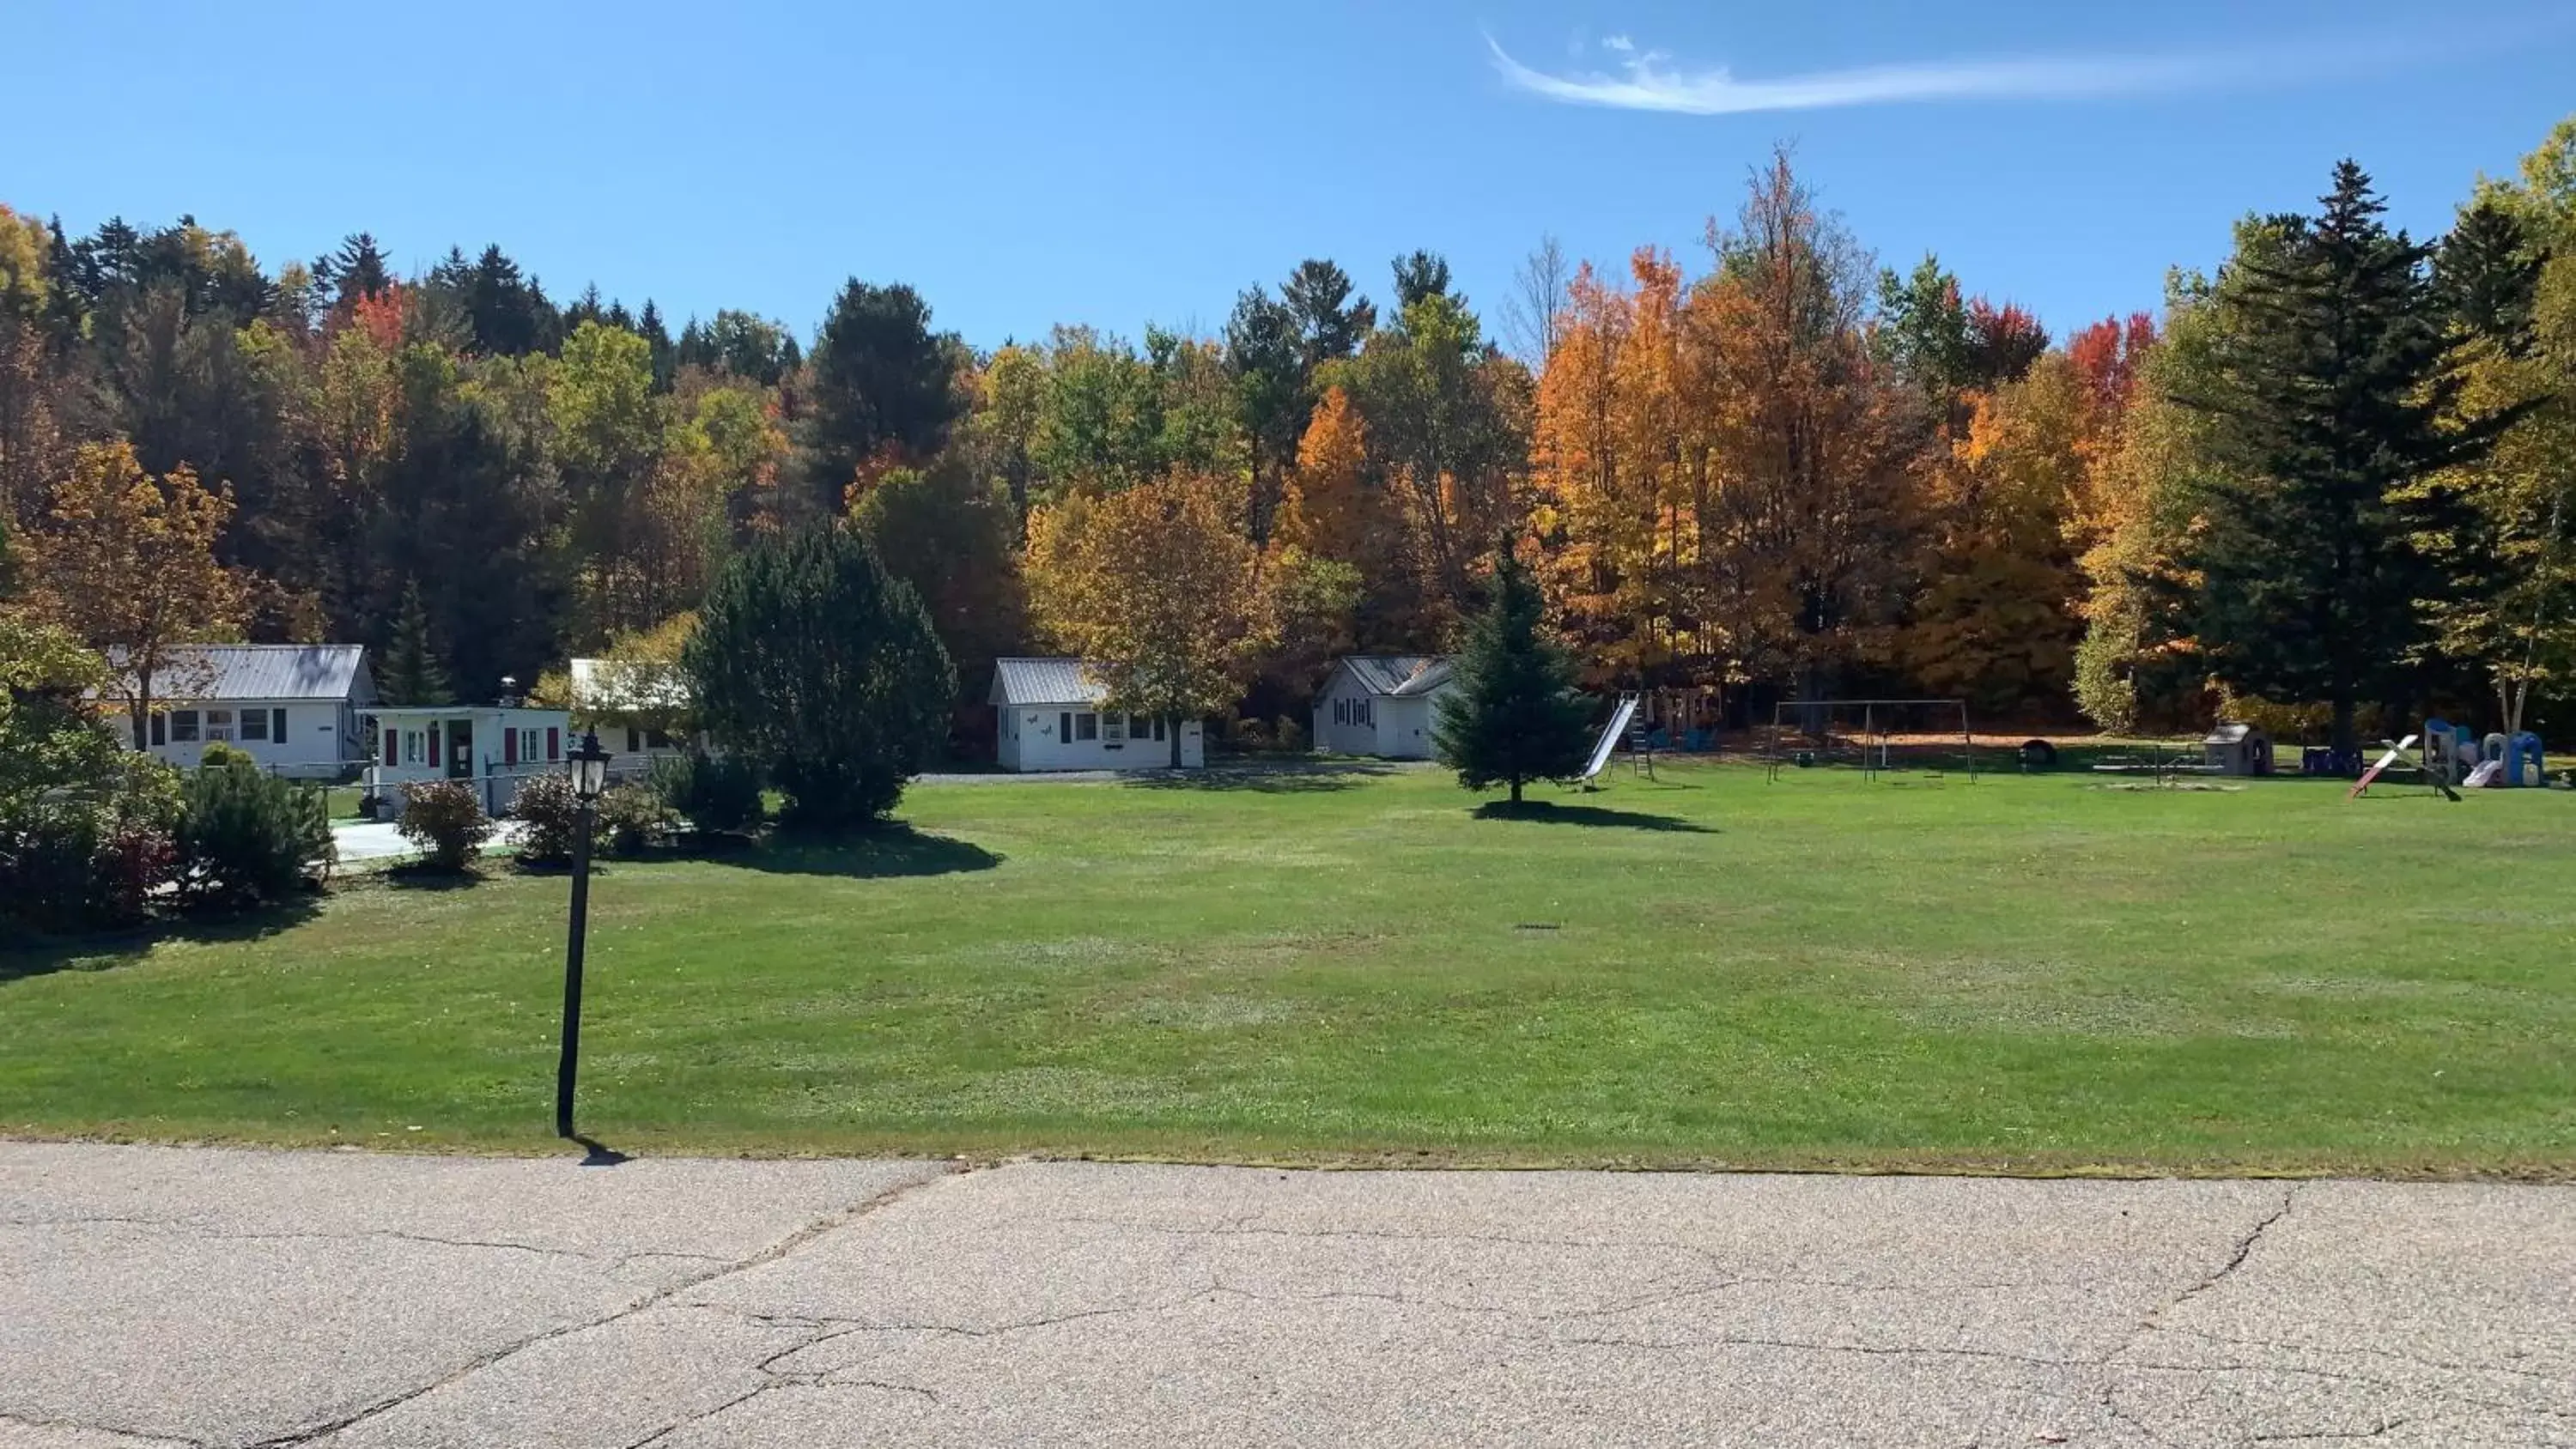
x=815, y=663
x=955, y=539
x=1514, y=716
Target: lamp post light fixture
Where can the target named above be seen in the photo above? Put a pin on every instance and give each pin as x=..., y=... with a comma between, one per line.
x=589, y=766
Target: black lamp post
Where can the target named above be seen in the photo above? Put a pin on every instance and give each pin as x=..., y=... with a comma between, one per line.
x=589, y=766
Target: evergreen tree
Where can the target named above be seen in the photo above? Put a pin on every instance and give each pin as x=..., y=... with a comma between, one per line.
x=357, y=270
x=2332, y=404
x=881, y=379
x=1514, y=716
x=413, y=672
x=2487, y=275
x=814, y=662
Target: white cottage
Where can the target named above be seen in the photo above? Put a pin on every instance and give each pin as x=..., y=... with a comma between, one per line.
x=493, y=747
x=1382, y=704
x=294, y=708
x=636, y=707
x=1048, y=717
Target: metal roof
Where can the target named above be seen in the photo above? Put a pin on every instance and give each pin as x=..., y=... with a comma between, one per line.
x=1043, y=681
x=217, y=672
x=611, y=686
x=1399, y=675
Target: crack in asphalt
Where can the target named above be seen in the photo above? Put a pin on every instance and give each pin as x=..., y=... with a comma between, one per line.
x=800, y=1237
x=196, y=1228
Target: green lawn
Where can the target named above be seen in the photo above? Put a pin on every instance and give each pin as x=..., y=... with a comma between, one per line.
x=2032, y=972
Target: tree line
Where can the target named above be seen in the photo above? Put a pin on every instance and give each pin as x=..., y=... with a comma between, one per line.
x=2329, y=480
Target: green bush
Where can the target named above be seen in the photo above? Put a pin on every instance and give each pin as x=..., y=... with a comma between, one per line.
x=245, y=836
x=631, y=817
x=549, y=816
x=90, y=855
x=818, y=665
x=1289, y=735
x=444, y=819
x=714, y=793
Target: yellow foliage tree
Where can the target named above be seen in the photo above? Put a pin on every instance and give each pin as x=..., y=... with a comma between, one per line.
x=2000, y=618
x=1157, y=590
x=128, y=563
x=1328, y=509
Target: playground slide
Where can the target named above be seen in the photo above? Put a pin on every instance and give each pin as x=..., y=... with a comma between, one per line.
x=2485, y=775
x=1619, y=718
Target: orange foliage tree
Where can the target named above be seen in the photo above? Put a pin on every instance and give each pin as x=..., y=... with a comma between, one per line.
x=129, y=564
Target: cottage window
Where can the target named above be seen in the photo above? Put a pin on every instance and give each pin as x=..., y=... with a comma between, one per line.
x=1341, y=708
x=183, y=726
x=219, y=724
x=415, y=746
x=1117, y=732
x=1086, y=726
x=254, y=724
x=528, y=744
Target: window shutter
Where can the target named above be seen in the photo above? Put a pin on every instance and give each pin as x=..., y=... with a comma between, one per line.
x=1064, y=726
x=160, y=729
x=277, y=726
x=434, y=733
x=509, y=747
x=391, y=755
x=554, y=742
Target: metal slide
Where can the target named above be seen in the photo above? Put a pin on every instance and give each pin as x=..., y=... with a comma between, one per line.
x=1610, y=737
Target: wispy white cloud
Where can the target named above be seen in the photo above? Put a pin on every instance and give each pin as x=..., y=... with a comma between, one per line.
x=1648, y=80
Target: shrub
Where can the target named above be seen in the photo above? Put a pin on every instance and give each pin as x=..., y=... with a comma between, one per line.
x=1247, y=734
x=815, y=663
x=549, y=816
x=631, y=817
x=90, y=855
x=1290, y=735
x=445, y=820
x=714, y=793
x=244, y=835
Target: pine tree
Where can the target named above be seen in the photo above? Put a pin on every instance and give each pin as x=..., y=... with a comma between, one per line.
x=2332, y=408
x=1514, y=716
x=413, y=672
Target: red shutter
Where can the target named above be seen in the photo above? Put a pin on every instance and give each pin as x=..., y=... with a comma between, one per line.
x=554, y=742
x=390, y=757
x=434, y=732
x=509, y=747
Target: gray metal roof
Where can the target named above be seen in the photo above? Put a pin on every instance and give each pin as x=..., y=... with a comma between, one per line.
x=1043, y=681
x=1399, y=675
x=216, y=672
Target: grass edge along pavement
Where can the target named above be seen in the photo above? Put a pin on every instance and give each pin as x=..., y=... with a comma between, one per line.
x=2029, y=975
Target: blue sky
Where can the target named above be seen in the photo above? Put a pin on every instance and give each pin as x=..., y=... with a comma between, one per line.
x=1029, y=163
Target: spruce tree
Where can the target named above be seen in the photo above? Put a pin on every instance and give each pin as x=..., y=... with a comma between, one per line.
x=2332, y=404
x=1513, y=716
x=413, y=672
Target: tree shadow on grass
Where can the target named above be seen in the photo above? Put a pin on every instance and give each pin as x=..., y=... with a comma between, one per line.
x=1283, y=778
x=886, y=851
x=414, y=876
x=1548, y=812
x=105, y=951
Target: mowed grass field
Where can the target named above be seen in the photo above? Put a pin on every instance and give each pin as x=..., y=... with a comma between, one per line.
x=2025, y=974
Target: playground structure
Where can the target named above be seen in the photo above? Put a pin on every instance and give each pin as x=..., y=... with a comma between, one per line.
x=1867, y=732
x=2454, y=758
x=2455, y=755
x=1623, y=725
